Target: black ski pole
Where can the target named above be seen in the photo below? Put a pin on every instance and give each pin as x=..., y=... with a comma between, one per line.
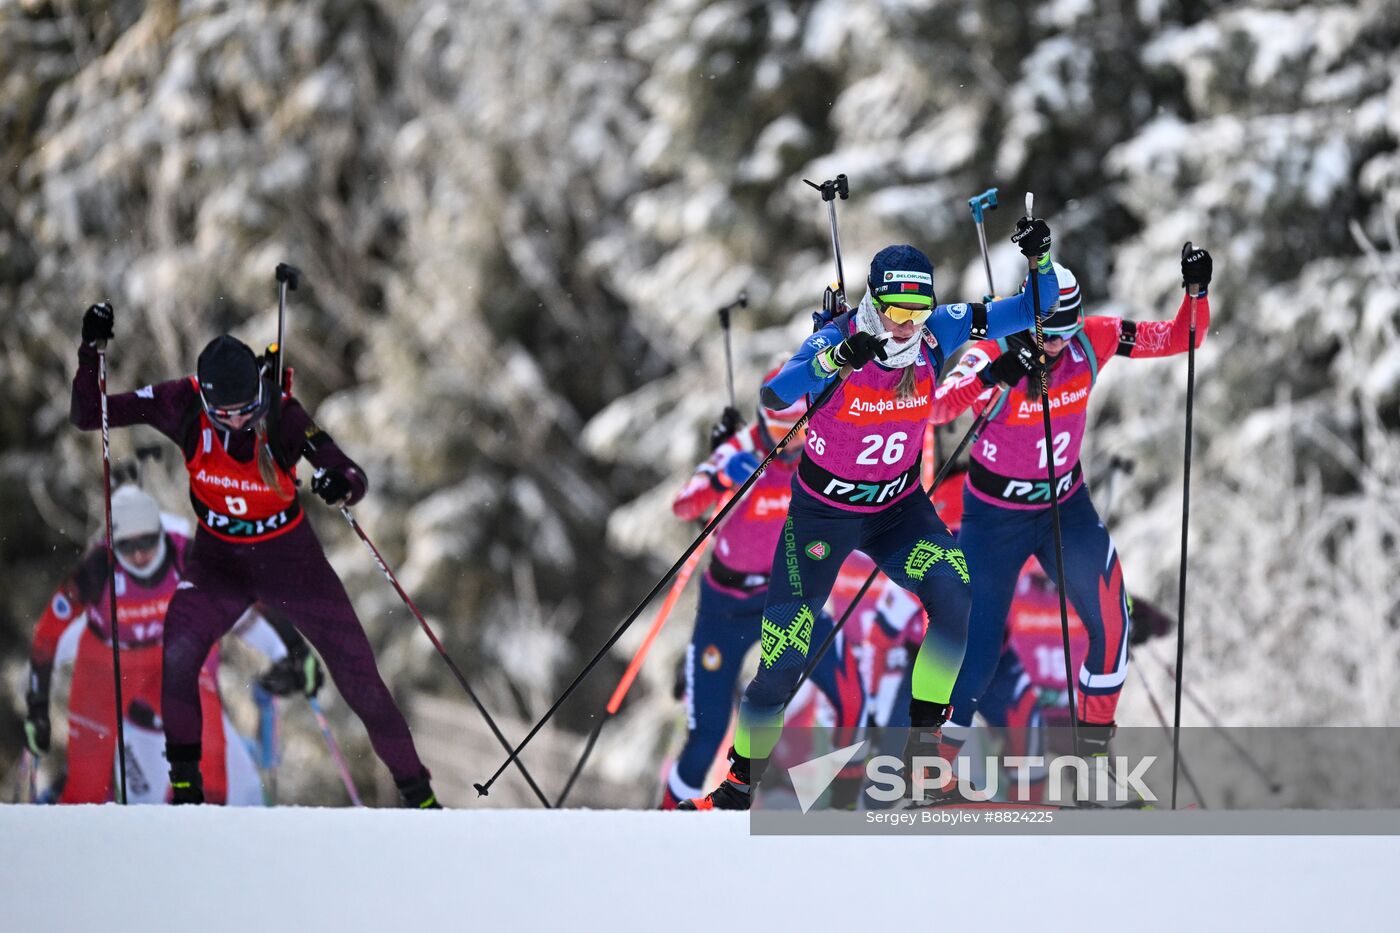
x=442, y=652
x=1192, y=291
x=830, y=190
x=969, y=438
x=1060, y=587
x=120, y=708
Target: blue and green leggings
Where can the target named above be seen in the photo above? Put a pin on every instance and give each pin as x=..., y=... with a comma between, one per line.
x=911, y=545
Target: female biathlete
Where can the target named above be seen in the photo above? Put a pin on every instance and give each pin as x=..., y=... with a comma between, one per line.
x=732, y=594
x=857, y=487
x=151, y=551
x=1007, y=516
x=241, y=438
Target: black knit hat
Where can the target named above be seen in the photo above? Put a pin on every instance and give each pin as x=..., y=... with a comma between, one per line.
x=228, y=372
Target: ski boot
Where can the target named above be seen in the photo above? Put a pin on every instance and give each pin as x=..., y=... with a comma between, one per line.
x=417, y=793
x=1093, y=747
x=736, y=793
x=186, y=783
x=926, y=741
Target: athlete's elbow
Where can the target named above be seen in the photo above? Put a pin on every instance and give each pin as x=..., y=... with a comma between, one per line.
x=771, y=399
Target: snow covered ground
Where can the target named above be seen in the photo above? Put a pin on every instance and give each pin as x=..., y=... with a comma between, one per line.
x=151, y=869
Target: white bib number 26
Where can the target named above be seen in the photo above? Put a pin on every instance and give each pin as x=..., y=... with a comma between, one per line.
x=879, y=448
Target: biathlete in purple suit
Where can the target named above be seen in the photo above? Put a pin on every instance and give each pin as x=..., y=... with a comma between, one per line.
x=1006, y=500
x=241, y=439
x=857, y=488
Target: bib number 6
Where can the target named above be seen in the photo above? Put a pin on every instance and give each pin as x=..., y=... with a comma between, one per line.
x=237, y=505
x=879, y=448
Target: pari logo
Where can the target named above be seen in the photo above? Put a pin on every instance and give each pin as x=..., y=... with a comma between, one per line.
x=1088, y=781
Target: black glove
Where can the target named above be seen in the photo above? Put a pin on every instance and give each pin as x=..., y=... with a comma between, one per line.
x=1032, y=237
x=332, y=486
x=858, y=349
x=1017, y=363
x=1148, y=621
x=97, y=323
x=1195, y=266
x=728, y=425
x=291, y=675
x=37, y=731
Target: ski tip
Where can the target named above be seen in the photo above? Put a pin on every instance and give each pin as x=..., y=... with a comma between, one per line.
x=1030, y=204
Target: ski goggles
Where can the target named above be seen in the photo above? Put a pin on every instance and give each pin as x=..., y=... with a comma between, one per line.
x=902, y=315
x=129, y=546
x=228, y=412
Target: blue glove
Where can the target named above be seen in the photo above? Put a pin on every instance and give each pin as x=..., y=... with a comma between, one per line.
x=740, y=467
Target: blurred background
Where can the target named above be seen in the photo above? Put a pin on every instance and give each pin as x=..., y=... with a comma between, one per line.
x=516, y=220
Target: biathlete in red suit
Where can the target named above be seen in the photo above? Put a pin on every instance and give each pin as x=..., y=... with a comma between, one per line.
x=76, y=628
x=241, y=440
x=1007, y=515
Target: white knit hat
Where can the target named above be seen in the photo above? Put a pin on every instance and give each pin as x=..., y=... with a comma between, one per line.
x=134, y=514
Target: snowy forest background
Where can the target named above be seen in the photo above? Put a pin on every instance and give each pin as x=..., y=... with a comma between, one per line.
x=516, y=220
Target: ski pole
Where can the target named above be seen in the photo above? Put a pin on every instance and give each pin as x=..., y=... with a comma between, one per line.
x=442, y=652
x=980, y=204
x=288, y=276
x=112, y=568
x=730, y=420
x=33, y=776
x=970, y=437
x=1192, y=291
x=633, y=667
x=829, y=192
x=1214, y=721
x=1162, y=721
x=1060, y=588
x=334, y=747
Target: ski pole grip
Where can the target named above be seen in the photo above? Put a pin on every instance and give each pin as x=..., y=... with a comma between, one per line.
x=286, y=272
x=981, y=203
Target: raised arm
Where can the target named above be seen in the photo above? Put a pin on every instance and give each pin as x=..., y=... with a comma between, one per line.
x=343, y=480
x=162, y=405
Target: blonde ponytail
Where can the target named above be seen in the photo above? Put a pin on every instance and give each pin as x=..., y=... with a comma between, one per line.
x=267, y=466
x=907, y=383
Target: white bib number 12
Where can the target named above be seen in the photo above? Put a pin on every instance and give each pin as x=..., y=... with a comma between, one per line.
x=1061, y=443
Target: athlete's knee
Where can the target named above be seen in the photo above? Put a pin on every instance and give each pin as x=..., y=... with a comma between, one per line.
x=772, y=688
